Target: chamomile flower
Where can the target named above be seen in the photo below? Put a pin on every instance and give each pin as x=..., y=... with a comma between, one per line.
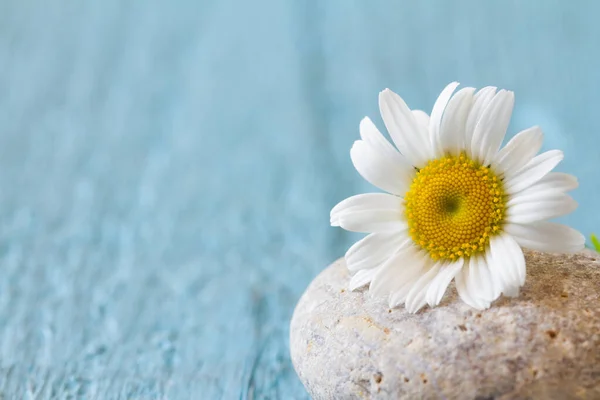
x=457, y=205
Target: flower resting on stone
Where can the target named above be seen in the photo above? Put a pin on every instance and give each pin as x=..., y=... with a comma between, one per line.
x=459, y=206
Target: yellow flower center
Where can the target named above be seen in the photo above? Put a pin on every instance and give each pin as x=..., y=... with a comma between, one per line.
x=453, y=206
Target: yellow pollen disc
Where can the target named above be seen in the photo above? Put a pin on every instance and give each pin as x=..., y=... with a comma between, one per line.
x=453, y=206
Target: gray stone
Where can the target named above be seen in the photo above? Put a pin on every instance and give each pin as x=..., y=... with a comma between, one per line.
x=545, y=344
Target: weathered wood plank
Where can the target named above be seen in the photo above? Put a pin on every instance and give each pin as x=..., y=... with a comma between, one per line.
x=167, y=170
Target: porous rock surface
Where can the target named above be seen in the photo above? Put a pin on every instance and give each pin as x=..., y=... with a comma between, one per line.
x=545, y=344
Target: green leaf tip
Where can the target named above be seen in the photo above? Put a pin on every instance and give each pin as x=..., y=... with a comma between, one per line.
x=595, y=242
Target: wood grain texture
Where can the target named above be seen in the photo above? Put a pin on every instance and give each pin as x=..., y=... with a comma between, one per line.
x=167, y=170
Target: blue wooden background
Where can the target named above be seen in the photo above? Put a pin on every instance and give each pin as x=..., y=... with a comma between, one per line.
x=167, y=169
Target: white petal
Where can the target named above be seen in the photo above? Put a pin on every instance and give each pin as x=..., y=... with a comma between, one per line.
x=486, y=273
x=534, y=194
x=533, y=171
x=397, y=270
x=361, y=278
x=371, y=135
x=422, y=118
x=518, y=151
x=379, y=170
x=417, y=294
x=547, y=236
x=491, y=128
x=365, y=202
x=437, y=113
x=465, y=290
x=399, y=293
x=499, y=274
x=553, y=184
x=441, y=281
x=481, y=280
x=551, y=207
x=372, y=221
x=374, y=249
x=480, y=102
x=452, y=129
x=517, y=258
x=507, y=263
x=559, y=181
x=409, y=136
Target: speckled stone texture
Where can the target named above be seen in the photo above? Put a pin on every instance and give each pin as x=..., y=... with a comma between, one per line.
x=545, y=344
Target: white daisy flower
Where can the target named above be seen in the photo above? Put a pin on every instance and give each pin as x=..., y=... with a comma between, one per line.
x=458, y=207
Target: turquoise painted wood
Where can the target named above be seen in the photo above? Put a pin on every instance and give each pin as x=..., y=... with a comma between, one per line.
x=167, y=169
